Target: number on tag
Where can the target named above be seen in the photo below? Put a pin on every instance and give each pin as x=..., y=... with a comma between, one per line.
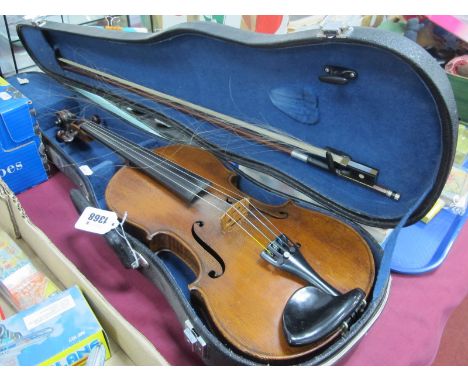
x=97, y=221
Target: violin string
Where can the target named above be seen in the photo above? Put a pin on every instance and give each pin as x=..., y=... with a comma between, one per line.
x=205, y=182
x=218, y=208
x=213, y=205
x=165, y=100
x=243, y=205
x=161, y=160
x=233, y=192
x=112, y=86
x=239, y=145
x=249, y=211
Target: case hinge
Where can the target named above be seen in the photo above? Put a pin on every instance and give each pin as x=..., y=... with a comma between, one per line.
x=197, y=342
x=331, y=31
x=37, y=21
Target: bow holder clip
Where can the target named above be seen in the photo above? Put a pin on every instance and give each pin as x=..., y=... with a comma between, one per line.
x=338, y=75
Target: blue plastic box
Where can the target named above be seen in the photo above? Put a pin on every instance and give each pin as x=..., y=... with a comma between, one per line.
x=21, y=161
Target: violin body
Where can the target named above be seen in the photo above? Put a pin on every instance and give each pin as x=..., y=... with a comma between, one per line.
x=241, y=296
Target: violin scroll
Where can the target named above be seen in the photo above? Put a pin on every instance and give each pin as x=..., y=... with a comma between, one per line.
x=68, y=129
x=70, y=126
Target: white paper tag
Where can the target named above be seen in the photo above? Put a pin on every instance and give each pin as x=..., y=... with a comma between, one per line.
x=5, y=96
x=86, y=170
x=97, y=221
x=22, y=81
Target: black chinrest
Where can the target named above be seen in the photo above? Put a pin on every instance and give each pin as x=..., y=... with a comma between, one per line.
x=311, y=314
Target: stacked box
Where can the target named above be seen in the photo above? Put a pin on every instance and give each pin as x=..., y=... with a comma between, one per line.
x=21, y=283
x=61, y=331
x=21, y=152
x=460, y=90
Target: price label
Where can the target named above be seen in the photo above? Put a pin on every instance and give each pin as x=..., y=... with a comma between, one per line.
x=97, y=221
x=86, y=170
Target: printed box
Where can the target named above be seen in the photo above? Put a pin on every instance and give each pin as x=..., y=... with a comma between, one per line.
x=21, y=283
x=21, y=161
x=60, y=331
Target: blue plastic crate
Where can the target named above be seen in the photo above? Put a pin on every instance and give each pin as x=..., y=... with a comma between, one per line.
x=421, y=248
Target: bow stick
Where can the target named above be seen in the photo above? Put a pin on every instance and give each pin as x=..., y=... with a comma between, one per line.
x=327, y=159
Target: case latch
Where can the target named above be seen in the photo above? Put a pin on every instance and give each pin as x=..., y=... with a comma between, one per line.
x=197, y=342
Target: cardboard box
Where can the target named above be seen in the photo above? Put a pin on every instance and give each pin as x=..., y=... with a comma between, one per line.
x=460, y=90
x=20, y=281
x=127, y=345
x=21, y=160
x=59, y=331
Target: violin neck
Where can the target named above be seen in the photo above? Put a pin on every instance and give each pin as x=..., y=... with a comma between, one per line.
x=179, y=180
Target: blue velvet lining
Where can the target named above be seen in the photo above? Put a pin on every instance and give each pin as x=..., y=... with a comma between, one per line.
x=48, y=97
x=179, y=270
x=300, y=103
x=384, y=267
x=387, y=118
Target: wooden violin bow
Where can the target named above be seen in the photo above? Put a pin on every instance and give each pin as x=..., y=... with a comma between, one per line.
x=337, y=163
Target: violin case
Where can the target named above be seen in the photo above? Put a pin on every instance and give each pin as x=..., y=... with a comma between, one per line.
x=397, y=115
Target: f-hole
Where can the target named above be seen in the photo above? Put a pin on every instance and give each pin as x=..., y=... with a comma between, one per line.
x=208, y=249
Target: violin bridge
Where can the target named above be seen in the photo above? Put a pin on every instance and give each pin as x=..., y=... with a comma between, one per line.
x=238, y=211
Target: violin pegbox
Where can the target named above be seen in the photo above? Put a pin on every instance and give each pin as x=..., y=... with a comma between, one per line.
x=70, y=126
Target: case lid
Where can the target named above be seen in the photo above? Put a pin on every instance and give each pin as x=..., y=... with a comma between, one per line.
x=396, y=115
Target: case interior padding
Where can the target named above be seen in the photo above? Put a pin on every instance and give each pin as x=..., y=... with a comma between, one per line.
x=386, y=118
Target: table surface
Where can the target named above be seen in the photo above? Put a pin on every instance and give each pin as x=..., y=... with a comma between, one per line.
x=408, y=332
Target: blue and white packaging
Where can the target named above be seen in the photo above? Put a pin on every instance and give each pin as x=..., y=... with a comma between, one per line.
x=61, y=331
x=21, y=161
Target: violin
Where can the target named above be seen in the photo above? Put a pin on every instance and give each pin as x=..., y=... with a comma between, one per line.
x=275, y=282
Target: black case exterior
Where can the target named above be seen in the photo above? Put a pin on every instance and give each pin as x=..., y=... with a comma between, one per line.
x=215, y=352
